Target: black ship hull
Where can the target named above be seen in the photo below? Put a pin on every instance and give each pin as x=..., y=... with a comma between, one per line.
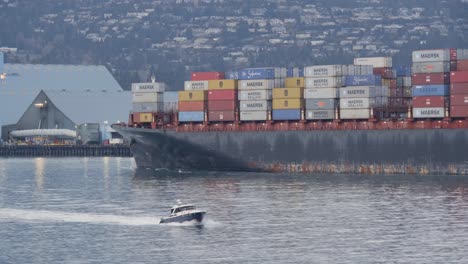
x=424, y=151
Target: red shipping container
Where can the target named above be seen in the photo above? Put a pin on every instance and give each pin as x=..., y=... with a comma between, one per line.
x=188, y=106
x=459, y=99
x=459, y=88
x=459, y=111
x=462, y=65
x=385, y=72
x=222, y=95
x=222, y=105
x=220, y=116
x=459, y=76
x=206, y=76
x=453, y=54
x=430, y=78
x=428, y=101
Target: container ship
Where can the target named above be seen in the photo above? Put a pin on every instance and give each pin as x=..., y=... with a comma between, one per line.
x=369, y=117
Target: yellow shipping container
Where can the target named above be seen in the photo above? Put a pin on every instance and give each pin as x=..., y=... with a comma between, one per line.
x=222, y=85
x=295, y=82
x=145, y=117
x=192, y=96
x=288, y=93
x=279, y=104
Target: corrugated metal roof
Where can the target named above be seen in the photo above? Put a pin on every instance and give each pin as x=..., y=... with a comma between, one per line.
x=83, y=93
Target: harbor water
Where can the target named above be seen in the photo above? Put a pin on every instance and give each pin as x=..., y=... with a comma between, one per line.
x=103, y=210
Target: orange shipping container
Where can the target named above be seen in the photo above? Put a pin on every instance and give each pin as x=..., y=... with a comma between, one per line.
x=295, y=82
x=222, y=85
x=142, y=117
x=288, y=93
x=279, y=104
x=188, y=106
x=192, y=96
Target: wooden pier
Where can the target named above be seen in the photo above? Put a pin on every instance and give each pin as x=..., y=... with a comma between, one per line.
x=66, y=151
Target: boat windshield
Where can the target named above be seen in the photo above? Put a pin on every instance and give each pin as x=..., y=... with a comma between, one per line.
x=184, y=208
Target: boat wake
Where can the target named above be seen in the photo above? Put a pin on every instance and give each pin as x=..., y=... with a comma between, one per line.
x=24, y=215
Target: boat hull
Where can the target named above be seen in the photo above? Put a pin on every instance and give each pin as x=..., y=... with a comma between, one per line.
x=424, y=151
x=198, y=217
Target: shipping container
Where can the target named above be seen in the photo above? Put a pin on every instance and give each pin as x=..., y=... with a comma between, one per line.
x=459, y=111
x=430, y=78
x=262, y=73
x=376, y=62
x=155, y=87
x=459, y=77
x=198, y=116
x=253, y=115
x=252, y=95
x=195, y=85
x=431, y=90
x=362, y=80
x=205, y=76
x=325, y=93
x=288, y=93
x=320, y=114
x=138, y=97
x=358, y=69
x=462, y=54
x=431, y=55
x=255, y=105
x=143, y=117
x=295, y=82
x=386, y=72
x=324, y=82
x=282, y=104
x=408, y=91
x=428, y=112
x=355, y=113
x=148, y=107
x=459, y=88
x=189, y=106
x=381, y=101
x=407, y=81
x=256, y=84
x=459, y=99
x=453, y=54
x=356, y=103
x=429, y=101
x=232, y=75
x=295, y=72
x=192, y=96
x=462, y=65
x=289, y=114
x=222, y=95
x=358, y=92
x=402, y=70
x=222, y=85
x=431, y=67
x=171, y=97
x=320, y=104
x=323, y=71
x=222, y=105
x=221, y=116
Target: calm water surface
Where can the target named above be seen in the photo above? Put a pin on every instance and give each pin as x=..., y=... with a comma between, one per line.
x=105, y=211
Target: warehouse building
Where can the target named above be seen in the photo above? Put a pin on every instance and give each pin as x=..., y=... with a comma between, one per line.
x=54, y=101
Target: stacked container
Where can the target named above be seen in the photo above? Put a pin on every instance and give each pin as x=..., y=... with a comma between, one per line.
x=222, y=100
x=361, y=94
x=255, y=91
x=321, y=90
x=459, y=84
x=430, y=80
x=147, y=98
x=404, y=87
x=288, y=102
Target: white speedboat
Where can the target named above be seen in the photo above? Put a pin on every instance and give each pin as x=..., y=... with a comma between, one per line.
x=183, y=213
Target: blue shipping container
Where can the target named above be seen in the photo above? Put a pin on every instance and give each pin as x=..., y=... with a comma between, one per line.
x=289, y=114
x=294, y=72
x=431, y=90
x=362, y=80
x=403, y=70
x=232, y=75
x=198, y=116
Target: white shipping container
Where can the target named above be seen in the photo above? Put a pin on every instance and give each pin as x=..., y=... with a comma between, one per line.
x=320, y=93
x=149, y=87
x=376, y=62
x=407, y=81
x=358, y=91
x=195, y=85
x=355, y=113
x=266, y=84
x=324, y=82
x=320, y=114
x=356, y=103
x=255, y=95
x=138, y=97
x=148, y=107
x=323, y=71
x=116, y=141
x=253, y=115
x=366, y=70
x=462, y=54
x=255, y=105
x=430, y=112
x=431, y=67
x=431, y=55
